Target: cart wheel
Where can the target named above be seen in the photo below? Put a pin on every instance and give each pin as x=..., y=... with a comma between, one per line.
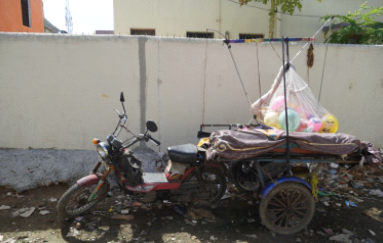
x=288, y=208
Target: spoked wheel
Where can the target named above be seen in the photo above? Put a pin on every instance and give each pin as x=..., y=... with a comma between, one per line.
x=288, y=208
x=212, y=189
x=75, y=201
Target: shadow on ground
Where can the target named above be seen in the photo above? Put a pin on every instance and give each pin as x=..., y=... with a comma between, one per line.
x=234, y=221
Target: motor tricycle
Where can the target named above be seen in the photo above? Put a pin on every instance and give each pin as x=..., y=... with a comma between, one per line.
x=287, y=185
x=186, y=178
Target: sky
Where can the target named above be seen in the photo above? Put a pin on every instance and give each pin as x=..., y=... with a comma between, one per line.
x=87, y=15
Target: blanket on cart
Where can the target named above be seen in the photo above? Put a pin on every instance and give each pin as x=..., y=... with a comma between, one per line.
x=244, y=144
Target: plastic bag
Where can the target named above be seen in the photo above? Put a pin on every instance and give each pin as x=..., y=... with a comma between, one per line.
x=304, y=112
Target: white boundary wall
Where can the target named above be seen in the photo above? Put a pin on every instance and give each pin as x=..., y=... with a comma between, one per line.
x=58, y=91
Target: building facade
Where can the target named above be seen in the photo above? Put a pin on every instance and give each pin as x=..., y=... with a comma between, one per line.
x=49, y=27
x=21, y=16
x=191, y=18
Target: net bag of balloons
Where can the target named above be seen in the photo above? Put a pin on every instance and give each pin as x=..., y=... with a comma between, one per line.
x=304, y=112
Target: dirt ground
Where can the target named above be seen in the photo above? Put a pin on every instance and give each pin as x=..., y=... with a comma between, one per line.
x=234, y=220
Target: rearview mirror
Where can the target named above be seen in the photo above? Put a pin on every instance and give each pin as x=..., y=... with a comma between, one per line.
x=151, y=125
x=122, y=99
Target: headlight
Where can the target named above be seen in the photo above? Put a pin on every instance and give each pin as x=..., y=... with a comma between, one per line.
x=102, y=149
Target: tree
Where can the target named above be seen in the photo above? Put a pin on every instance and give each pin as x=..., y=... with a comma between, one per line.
x=361, y=28
x=288, y=6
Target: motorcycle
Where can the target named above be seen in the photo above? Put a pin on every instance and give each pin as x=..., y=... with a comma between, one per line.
x=186, y=178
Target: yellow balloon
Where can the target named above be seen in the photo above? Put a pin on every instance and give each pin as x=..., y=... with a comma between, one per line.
x=329, y=124
x=271, y=120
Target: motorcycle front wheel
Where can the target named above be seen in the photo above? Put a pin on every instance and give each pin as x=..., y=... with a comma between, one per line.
x=214, y=183
x=75, y=202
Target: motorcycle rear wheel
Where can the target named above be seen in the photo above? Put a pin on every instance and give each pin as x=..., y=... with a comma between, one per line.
x=207, y=175
x=74, y=202
x=245, y=178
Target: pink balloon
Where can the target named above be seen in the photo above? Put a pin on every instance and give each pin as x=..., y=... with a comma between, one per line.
x=302, y=126
x=298, y=109
x=314, y=125
x=277, y=103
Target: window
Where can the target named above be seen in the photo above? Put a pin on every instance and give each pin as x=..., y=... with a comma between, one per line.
x=142, y=31
x=251, y=36
x=200, y=34
x=26, y=13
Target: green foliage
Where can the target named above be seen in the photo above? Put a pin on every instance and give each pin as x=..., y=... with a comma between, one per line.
x=362, y=27
x=286, y=6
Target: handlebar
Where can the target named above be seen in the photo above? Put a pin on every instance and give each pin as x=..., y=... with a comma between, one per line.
x=143, y=137
x=123, y=117
x=156, y=142
x=120, y=124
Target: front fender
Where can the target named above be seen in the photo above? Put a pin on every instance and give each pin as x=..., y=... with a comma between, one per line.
x=89, y=180
x=267, y=189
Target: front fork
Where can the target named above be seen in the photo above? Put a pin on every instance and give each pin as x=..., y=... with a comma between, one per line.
x=101, y=181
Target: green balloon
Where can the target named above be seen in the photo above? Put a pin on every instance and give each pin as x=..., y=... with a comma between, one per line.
x=293, y=118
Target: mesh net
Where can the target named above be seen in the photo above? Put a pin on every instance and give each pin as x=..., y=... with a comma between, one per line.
x=304, y=112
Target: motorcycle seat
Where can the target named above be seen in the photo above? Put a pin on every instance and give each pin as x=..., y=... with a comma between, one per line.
x=184, y=154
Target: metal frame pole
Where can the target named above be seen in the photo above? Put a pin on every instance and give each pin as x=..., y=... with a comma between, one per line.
x=285, y=69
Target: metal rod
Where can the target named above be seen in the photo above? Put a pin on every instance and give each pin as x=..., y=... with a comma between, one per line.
x=299, y=51
x=286, y=42
x=240, y=79
x=216, y=125
x=324, y=66
x=296, y=55
x=310, y=160
x=270, y=40
x=227, y=41
x=260, y=174
x=96, y=168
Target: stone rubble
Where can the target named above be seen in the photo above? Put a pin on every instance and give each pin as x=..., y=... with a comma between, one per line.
x=28, y=212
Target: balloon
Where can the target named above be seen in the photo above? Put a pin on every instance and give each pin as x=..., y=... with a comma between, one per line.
x=302, y=125
x=314, y=125
x=277, y=102
x=293, y=119
x=298, y=109
x=271, y=119
x=329, y=124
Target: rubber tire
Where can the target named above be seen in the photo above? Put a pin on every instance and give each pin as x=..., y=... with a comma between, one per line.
x=222, y=188
x=303, y=224
x=235, y=179
x=62, y=214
